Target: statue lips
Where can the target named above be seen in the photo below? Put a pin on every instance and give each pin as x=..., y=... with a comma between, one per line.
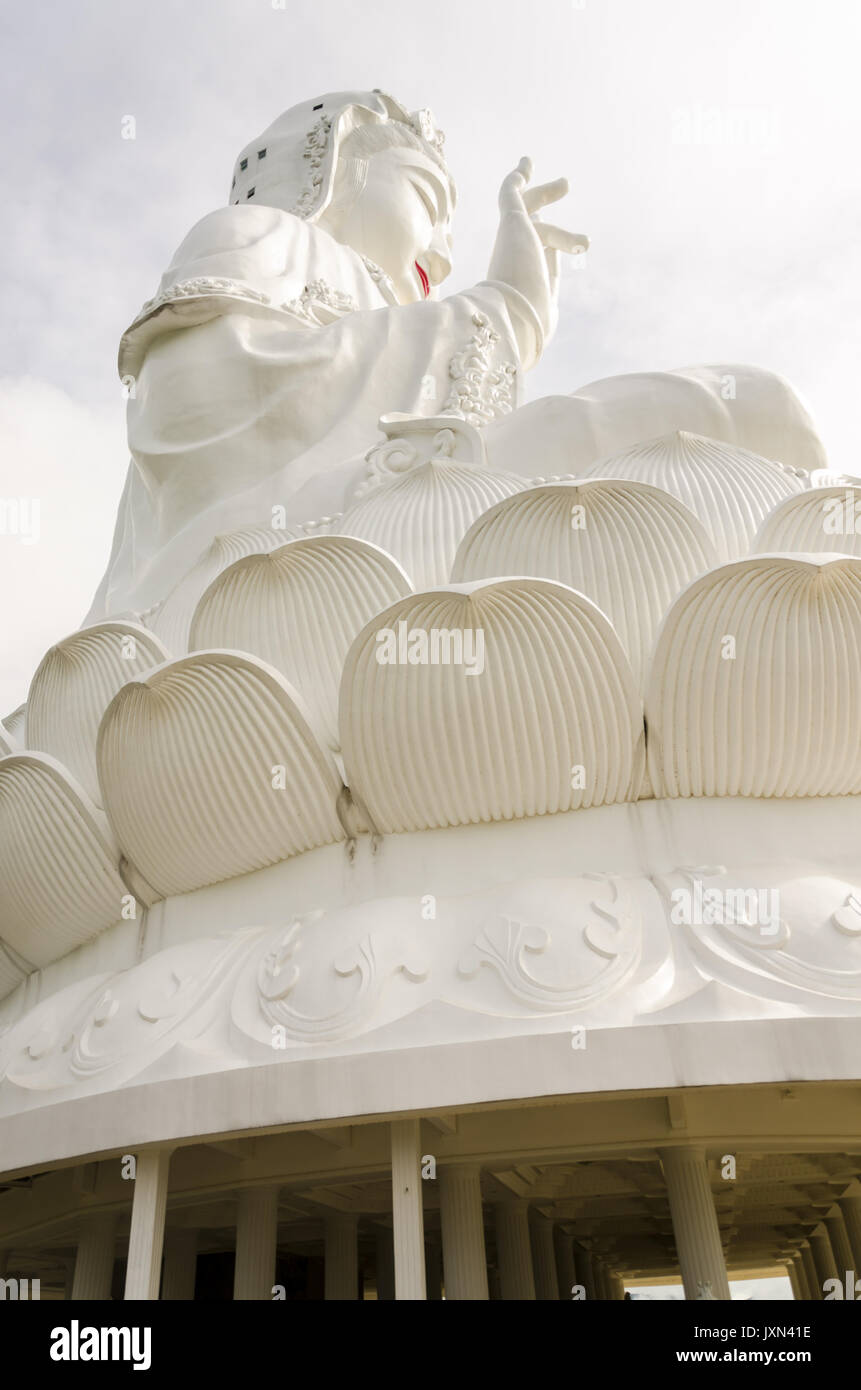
x=424, y=279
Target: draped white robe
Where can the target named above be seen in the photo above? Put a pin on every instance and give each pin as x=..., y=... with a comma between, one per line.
x=259, y=372
x=258, y=375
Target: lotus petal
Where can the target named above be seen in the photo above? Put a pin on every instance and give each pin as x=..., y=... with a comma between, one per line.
x=15, y=725
x=754, y=688
x=730, y=490
x=421, y=517
x=628, y=546
x=299, y=608
x=75, y=683
x=209, y=769
x=549, y=719
x=58, y=861
x=172, y=618
x=824, y=519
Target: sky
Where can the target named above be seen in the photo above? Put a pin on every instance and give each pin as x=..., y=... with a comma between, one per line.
x=712, y=151
x=767, y=1290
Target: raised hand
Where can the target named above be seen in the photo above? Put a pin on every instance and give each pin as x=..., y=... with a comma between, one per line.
x=526, y=253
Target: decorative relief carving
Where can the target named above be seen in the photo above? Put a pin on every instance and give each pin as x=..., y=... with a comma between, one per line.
x=278, y=975
x=326, y=977
x=316, y=144
x=505, y=945
x=398, y=454
x=385, y=284
x=203, y=285
x=480, y=391
x=847, y=919
x=741, y=933
x=554, y=947
x=319, y=304
x=423, y=123
x=110, y=1028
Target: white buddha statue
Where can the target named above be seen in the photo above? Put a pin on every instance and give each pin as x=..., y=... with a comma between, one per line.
x=291, y=320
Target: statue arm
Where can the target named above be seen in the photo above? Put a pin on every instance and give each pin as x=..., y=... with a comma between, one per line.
x=522, y=322
x=525, y=260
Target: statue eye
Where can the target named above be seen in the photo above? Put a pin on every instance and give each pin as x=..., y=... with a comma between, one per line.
x=429, y=207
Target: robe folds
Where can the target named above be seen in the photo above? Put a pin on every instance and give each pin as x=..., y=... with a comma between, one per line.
x=257, y=377
x=258, y=374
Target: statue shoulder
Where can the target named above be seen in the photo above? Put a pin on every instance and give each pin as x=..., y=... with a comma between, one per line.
x=238, y=228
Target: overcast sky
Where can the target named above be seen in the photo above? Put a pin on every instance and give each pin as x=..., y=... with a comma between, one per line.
x=713, y=151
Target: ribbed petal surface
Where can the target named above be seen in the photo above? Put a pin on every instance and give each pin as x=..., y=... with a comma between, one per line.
x=430, y=745
x=730, y=490
x=781, y=716
x=186, y=759
x=299, y=608
x=630, y=547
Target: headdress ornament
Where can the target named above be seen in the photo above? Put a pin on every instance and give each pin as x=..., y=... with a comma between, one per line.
x=292, y=164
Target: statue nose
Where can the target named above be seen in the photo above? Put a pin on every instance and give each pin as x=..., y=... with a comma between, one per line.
x=438, y=257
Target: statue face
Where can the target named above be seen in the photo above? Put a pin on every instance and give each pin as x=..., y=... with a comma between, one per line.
x=401, y=219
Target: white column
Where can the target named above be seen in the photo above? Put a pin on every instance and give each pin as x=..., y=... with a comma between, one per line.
x=803, y=1294
x=463, y=1251
x=94, y=1261
x=146, y=1236
x=851, y=1209
x=180, y=1265
x=839, y=1237
x=256, y=1244
x=695, y=1224
x=543, y=1259
x=384, y=1263
x=407, y=1212
x=792, y=1274
x=823, y=1257
x=618, y=1282
x=342, y=1256
x=514, y=1250
x=807, y=1261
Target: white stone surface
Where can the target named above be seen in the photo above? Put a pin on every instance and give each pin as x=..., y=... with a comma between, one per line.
x=199, y=791
x=728, y=488
x=754, y=681
x=569, y=530
x=826, y=518
x=299, y=608
x=58, y=861
x=75, y=683
x=326, y=885
x=535, y=712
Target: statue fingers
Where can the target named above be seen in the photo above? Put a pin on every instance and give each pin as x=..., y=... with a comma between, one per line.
x=511, y=191
x=556, y=237
x=544, y=193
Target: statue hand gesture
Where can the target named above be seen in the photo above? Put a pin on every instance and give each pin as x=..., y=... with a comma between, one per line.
x=526, y=253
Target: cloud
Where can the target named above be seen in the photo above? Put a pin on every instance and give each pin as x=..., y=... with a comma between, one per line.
x=69, y=459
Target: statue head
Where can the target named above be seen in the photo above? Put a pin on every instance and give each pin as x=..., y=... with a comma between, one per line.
x=367, y=171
